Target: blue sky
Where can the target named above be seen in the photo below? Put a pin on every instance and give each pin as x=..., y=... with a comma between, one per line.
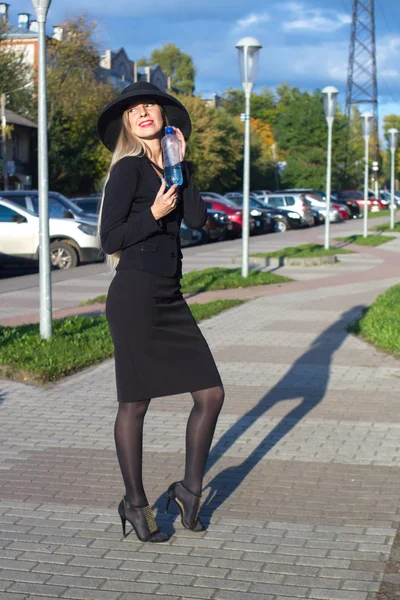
x=305, y=44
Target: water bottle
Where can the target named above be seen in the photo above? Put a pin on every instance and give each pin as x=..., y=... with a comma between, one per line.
x=171, y=147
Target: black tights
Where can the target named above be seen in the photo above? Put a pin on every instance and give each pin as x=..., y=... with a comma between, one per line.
x=199, y=433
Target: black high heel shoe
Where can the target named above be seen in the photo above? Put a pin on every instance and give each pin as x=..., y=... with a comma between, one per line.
x=145, y=527
x=188, y=504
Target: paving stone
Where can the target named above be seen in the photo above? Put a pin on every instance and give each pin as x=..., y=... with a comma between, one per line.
x=39, y=589
x=85, y=594
x=178, y=590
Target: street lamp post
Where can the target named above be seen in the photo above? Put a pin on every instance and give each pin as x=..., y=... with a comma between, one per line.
x=330, y=95
x=248, y=48
x=41, y=8
x=367, y=122
x=393, y=135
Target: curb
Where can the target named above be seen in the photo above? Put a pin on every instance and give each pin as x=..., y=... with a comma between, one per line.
x=285, y=261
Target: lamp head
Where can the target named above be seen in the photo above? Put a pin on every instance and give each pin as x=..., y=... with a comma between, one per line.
x=41, y=8
x=393, y=136
x=330, y=95
x=368, y=119
x=248, y=48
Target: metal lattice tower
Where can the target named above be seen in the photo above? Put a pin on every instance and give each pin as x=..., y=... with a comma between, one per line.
x=362, y=87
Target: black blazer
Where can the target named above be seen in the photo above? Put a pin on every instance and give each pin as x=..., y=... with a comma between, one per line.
x=127, y=223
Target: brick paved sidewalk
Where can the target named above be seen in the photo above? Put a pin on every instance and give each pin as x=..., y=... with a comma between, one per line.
x=302, y=493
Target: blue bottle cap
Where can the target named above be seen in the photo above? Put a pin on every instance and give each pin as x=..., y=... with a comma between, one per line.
x=169, y=130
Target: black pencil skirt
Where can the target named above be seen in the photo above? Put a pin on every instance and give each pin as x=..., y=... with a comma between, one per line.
x=159, y=349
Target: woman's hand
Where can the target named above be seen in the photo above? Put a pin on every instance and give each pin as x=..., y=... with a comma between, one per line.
x=165, y=201
x=179, y=135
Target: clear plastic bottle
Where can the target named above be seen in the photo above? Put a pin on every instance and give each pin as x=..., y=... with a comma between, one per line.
x=171, y=147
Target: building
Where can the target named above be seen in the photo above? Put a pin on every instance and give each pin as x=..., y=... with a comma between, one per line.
x=21, y=152
x=119, y=70
x=114, y=67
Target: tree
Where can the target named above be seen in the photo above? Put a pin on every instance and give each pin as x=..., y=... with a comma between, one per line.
x=77, y=159
x=263, y=105
x=215, y=146
x=177, y=65
x=15, y=74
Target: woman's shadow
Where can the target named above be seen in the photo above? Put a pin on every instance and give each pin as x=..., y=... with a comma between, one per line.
x=317, y=357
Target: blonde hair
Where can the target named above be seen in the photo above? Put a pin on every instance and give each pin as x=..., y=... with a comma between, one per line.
x=128, y=144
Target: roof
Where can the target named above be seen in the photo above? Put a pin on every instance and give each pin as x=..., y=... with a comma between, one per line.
x=15, y=119
x=21, y=33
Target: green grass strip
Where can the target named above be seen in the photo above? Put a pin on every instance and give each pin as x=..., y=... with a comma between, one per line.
x=376, y=214
x=380, y=324
x=303, y=251
x=217, y=278
x=77, y=342
x=386, y=227
x=102, y=299
x=371, y=240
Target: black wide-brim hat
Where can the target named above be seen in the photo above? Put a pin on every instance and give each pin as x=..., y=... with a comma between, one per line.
x=110, y=121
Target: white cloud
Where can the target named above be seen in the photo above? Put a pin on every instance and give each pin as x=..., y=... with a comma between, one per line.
x=252, y=19
x=313, y=19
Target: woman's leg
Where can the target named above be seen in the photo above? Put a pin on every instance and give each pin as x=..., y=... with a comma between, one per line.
x=128, y=432
x=199, y=434
x=129, y=443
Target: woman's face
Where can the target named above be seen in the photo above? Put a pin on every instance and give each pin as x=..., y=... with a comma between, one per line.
x=146, y=120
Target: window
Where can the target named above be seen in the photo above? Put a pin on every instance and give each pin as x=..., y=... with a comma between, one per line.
x=56, y=209
x=289, y=200
x=90, y=206
x=19, y=200
x=7, y=215
x=276, y=201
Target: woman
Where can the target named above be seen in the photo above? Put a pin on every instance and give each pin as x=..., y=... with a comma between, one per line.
x=159, y=350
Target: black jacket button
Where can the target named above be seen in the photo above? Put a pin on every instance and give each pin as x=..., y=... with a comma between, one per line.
x=172, y=255
x=171, y=237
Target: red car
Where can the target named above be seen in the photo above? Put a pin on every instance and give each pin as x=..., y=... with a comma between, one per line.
x=374, y=204
x=235, y=215
x=342, y=210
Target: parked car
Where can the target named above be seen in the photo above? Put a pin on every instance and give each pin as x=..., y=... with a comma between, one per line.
x=387, y=196
x=59, y=206
x=261, y=193
x=351, y=204
x=189, y=236
x=264, y=223
x=374, y=204
x=319, y=205
x=71, y=242
x=296, y=206
x=217, y=226
x=90, y=205
x=233, y=195
x=235, y=215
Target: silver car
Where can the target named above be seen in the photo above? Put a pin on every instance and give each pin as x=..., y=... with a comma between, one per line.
x=293, y=204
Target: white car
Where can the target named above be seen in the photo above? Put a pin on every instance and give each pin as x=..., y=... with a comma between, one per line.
x=71, y=242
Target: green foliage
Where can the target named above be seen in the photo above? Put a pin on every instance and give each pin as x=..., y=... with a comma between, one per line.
x=77, y=159
x=298, y=124
x=176, y=64
x=14, y=74
x=217, y=278
x=215, y=146
x=371, y=240
x=77, y=342
x=380, y=324
x=303, y=251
